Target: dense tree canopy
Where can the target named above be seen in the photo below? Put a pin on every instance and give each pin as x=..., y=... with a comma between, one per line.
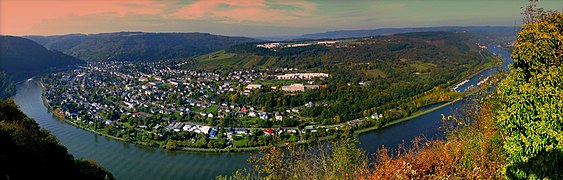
x=531, y=101
x=137, y=46
x=27, y=151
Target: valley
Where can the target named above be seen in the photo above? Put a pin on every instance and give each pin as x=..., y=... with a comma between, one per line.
x=298, y=97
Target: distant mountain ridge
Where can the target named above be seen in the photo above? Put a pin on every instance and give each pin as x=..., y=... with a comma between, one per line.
x=137, y=46
x=341, y=34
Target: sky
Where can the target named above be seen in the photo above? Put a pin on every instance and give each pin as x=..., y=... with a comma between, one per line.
x=253, y=18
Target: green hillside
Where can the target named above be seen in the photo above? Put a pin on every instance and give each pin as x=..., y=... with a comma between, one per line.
x=29, y=152
x=440, y=56
x=21, y=58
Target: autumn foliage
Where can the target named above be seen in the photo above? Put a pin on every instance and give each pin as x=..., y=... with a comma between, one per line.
x=516, y=132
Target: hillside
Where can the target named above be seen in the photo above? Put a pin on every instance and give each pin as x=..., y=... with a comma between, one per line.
x=137, y=46
x=428, y=54
x=21, y=58
x=28, y=151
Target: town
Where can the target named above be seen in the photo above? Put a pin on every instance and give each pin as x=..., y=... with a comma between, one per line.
x=167, y=101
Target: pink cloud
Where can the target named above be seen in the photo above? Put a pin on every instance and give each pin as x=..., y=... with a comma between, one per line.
x=251, y=11
x=20, y=16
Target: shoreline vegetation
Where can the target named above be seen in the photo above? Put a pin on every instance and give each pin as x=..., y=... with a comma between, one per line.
x=257, y=148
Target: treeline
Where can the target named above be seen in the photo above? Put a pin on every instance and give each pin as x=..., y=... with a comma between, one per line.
x=28, y=151
x=7, y=87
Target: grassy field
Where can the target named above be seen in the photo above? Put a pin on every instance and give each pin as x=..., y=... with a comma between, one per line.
x=230, y=59
x=219, y=55
x=374, y=73
x=212, y=109
x=421, y=66
x=239, y=141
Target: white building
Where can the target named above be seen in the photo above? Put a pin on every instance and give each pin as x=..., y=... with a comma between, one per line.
x=254, y=86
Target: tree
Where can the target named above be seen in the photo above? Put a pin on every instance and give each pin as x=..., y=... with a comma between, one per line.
x=25, y=147
x=531, y=100
x=323, y=160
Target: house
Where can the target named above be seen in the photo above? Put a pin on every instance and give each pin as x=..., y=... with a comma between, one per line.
x=254, y=86
x=279, y=117
x=264, y=116
x=241, y=131
x=309, y=104
x=252, y=114
x=213, y=133
x=375, y=116
x=108, y=122
x=269, y=131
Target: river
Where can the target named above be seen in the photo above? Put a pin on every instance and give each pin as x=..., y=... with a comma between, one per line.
x=130, y=161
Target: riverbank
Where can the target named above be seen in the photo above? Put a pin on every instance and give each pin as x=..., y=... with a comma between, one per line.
x=418, y=114
x=77, y=125
x=415, y=115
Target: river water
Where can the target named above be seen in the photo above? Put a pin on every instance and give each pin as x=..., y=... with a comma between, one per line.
x=130, y=161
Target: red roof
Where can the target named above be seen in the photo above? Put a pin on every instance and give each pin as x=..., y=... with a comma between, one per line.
x=269, y=131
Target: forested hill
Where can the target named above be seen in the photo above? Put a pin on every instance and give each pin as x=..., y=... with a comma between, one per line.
x=29, y=152
x=436, y=53
x=137, y=46
x=21, y=58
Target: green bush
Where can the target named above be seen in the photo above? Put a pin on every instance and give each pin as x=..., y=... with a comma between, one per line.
x=531, y=102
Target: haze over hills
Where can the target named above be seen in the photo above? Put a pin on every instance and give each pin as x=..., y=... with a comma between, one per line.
x=503, y=31
x=137, y=46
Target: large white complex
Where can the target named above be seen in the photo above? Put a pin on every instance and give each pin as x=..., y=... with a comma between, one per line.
x=301, y=76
